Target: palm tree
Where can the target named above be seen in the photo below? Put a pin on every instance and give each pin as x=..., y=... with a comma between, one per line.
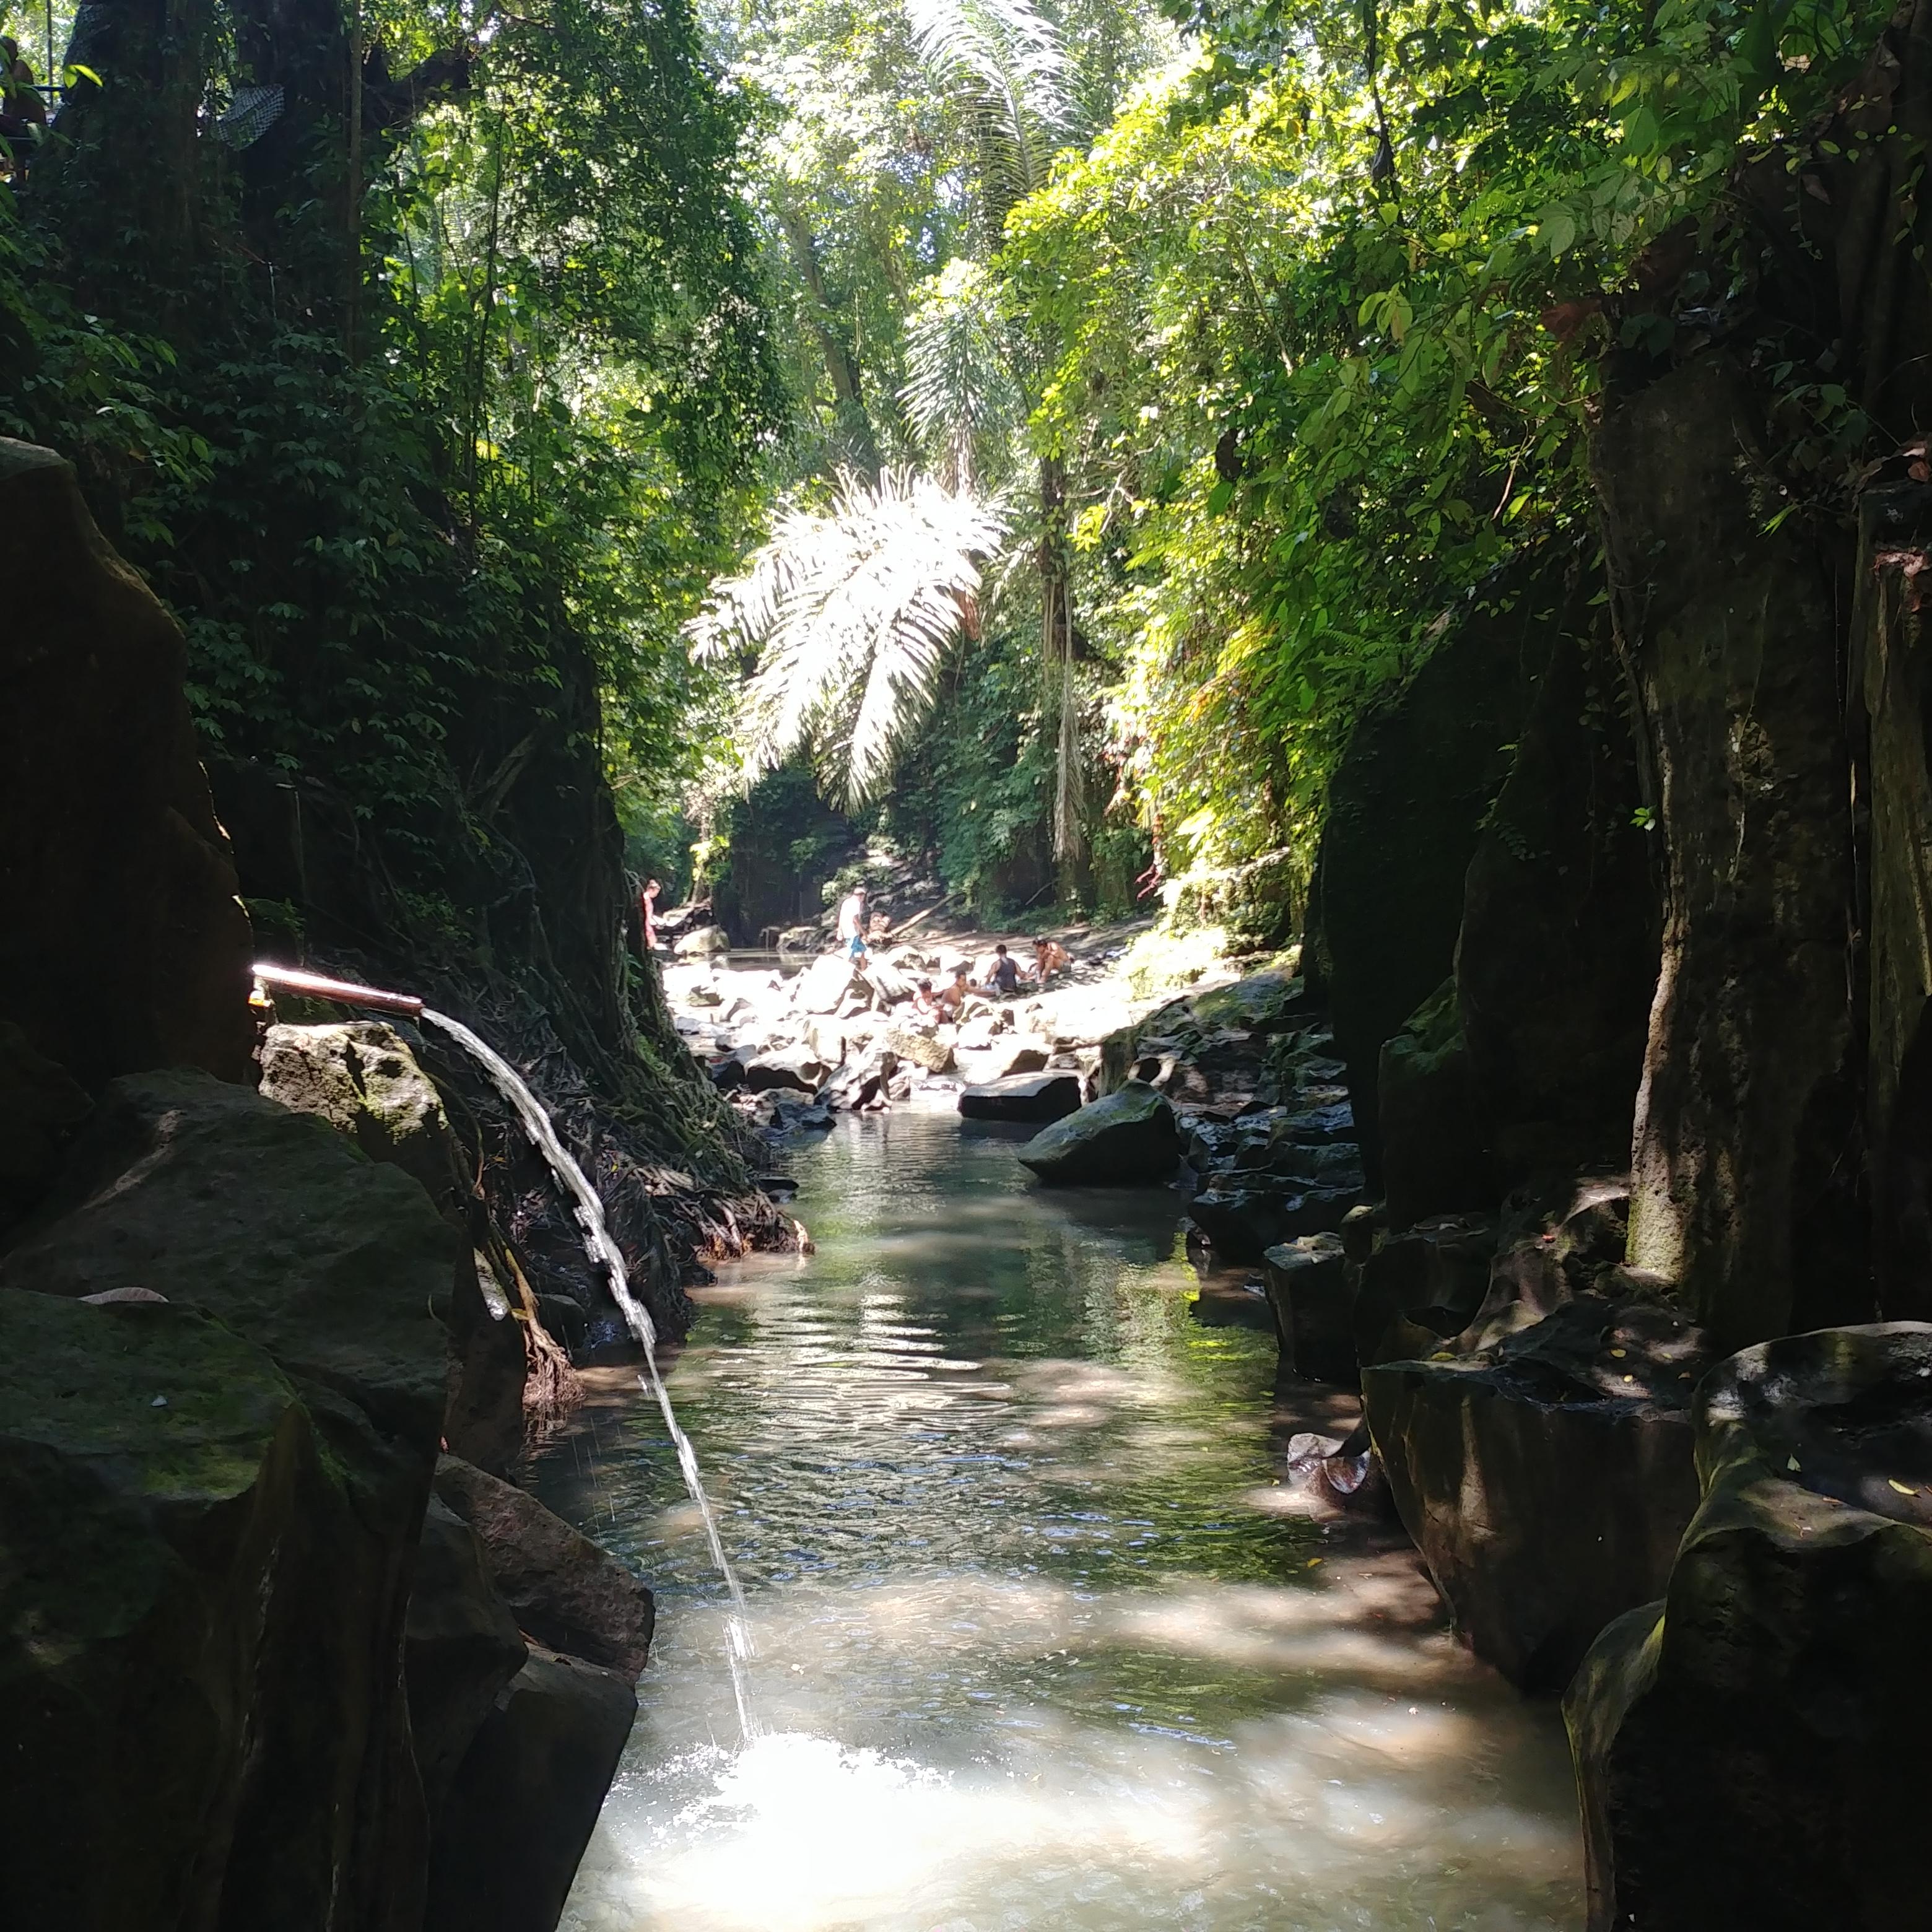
x=851, y=611
x=960, y=394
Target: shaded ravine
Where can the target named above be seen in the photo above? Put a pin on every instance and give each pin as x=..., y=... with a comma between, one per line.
x=1038, y=1644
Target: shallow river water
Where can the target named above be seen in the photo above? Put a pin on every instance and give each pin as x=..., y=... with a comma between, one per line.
x=1039, y=1641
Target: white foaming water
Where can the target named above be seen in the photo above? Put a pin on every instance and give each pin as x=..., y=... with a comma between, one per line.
x=604, y=1251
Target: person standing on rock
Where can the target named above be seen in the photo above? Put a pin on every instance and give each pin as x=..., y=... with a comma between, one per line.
x=852, y=923
x=647, y=911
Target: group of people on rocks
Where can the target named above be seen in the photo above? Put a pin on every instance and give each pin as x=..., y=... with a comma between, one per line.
x=1000, y=976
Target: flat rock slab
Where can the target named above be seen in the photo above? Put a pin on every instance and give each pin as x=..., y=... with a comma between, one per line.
x=1026, y=1097
x=1127, y=1137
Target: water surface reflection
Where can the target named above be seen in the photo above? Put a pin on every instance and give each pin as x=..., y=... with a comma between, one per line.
x=1034, y=1648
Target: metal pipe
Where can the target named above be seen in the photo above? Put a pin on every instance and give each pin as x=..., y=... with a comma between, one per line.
x=345, y=992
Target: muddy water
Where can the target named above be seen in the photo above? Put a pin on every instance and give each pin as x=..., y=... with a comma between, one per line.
x=1041, y=1643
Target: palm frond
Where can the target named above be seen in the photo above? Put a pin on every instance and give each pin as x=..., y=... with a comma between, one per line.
x=851, y=611
x=960, y=390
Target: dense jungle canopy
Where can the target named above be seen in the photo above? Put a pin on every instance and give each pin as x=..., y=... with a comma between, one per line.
x=1027, y=431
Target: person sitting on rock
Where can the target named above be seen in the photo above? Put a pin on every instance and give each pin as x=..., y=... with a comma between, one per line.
x=1049, y=957
x=925, y=1004
x=950, y=999
x=1003, y=974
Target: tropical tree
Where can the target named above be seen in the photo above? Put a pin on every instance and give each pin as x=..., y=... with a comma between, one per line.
x=848, y=613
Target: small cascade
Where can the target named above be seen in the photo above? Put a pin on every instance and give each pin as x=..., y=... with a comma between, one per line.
x=604, y=1251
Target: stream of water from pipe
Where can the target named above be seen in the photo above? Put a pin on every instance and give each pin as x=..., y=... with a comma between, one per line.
x=604, y=1253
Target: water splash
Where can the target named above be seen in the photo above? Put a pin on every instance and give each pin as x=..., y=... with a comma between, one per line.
x=604, y=1251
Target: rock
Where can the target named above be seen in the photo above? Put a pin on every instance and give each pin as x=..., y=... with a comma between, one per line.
x=1546, y=1481
x=1025, y=1097
x=825, y=1038
x=361, y=1078
x=201, y=1620
x=124, y=947
x=797, y=1068
x=264, y=1218
x=707, y=942
x=822, y=987
x=701, y=994
x=562, y=1589
x=41, y=1105
x=460, y=1647
x=526, y=1800
x=1126, y=1137
x=1556, y=963
x=1750, y=1749
x=1740, y=1192
x=1436, y=1154
x=1018, y=1053
x=1406, y=806
x=1340, y=1475
x=1362, y=1227
x=1244, y=1223
x=1562, y=1243
x=1421, y=1286
x=921, y=1048
x=728, y=1070
x=1309, y=1289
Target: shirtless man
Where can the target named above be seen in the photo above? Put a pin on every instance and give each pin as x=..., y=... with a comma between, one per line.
x=949, y=999
x=1049, y=957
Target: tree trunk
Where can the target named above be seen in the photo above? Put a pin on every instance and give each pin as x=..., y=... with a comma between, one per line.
x=835, y=343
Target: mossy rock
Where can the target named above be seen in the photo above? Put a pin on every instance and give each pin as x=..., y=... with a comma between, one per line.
x=1127, y=1137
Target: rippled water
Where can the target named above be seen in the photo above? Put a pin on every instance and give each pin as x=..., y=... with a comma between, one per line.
x=1039, y=1643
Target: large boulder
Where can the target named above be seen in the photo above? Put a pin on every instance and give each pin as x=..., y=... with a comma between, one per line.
x=526, y=1800
x=124, y=947
x=1032, y=1098
x=1420, y=1286
x=201, y=1619
x=1741, y=1194
x=1125, y=1137
x=1546, y=1481
x=921, y=1047
x=1750, y=1750
x=42, y=1106
x=269, y=1221
x=797, y=1068
x=563, y=1590
x=822, y=987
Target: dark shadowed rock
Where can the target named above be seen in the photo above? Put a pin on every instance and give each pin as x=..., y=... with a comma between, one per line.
x=1545, y=1481
x=797, y=1068
x=201, y=1619
x=1422, y=1285
x=562, y=1589
x=41, y=1107
x=1025, y=1097
x=1556, y=963
x=460, y=1647
x=1750, y=1749
x=124, y=947
x=1309, y=1288
x=1127, y=1136
x=1435, y=1153
x=1244, y=1223
x=1406, y=805
x=526, y=1800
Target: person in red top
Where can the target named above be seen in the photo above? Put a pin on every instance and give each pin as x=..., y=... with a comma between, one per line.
x=647, y=911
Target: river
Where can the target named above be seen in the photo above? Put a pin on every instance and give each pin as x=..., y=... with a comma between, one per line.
x=1041, y=1640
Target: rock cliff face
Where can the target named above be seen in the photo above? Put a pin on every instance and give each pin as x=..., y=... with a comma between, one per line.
x=252, y=1672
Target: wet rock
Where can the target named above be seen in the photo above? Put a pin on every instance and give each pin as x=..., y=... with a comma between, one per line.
x=1123, y=1137
x=124, y=947
x=1309, y=1288
x=1340, y=1475
x=201, y=1620
x=524, y=1802
x=563, y=1590
x=1750, y=1749
x=460, y=1647
x=1546, y=1481
x=1025, y=1097
x=1436, y=1154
